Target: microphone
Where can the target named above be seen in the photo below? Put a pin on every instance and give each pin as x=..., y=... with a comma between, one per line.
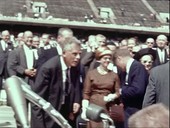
x=16, y=98
x=97, y=113
x=40, y=102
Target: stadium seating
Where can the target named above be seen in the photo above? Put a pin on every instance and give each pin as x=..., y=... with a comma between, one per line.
x=72, y=10
x=126, y=12
x=11, y=8
x=160, y=5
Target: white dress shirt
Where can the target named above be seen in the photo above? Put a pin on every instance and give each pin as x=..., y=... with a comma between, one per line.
x=64, y=70
x=59, y=49
x=4, y=45
x=129, y=63
x=29, y=56
x=161, y=54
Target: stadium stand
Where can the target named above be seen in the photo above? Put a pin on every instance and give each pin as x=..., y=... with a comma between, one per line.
x=125, y=12
x=143, y=15
x=160, y=5
x=8, y=8
x=128, y=12
x=71, y=10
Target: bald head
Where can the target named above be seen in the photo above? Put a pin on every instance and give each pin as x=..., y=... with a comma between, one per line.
x=5, y=35
x=64, y=33
x=27, y=37
x=26, y=33
x=100, y=39
x=150, y=42
x=20, y=35
x=5, y=32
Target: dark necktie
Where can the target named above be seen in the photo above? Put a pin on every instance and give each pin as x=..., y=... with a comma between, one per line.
x=68, y=81
x=162, y=57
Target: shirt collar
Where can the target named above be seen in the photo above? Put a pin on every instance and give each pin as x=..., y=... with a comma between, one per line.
x=160, y=51
x=26, y=47
x=48, y=46
x=129, y=63
x=3, y=44
x=63, y=64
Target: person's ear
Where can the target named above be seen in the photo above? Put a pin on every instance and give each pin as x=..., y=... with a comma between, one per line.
x=64, y=54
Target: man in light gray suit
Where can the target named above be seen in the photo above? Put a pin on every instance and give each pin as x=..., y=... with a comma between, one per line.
x=158, y=88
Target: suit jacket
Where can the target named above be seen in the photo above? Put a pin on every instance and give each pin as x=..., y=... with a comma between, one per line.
x=158, y=87
x=157, y=60
x=49, y=85
x=133, y=92
x=45, y=55
x=17, y=64
x=86, y=60
x=4, y=56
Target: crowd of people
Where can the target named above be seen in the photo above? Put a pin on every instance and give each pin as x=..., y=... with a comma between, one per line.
x=71, y=74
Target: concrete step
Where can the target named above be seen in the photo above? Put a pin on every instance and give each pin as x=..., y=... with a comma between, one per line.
x=3, y=97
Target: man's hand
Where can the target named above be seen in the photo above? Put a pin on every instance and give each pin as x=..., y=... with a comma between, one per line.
x=30, y=72
x=76, y=107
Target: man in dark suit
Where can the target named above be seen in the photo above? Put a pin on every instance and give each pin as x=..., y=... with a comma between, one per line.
x=161, y=54
x=52, y=85
x=133, y=83
x=6, y=47
x=50, y=50
x=46, y=51
x=21, y=61
x=157, y=90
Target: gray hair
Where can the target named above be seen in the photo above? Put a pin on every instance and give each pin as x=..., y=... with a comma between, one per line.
x=68, y=42
x=153, y=116
x=5, y=32
x=62, y=30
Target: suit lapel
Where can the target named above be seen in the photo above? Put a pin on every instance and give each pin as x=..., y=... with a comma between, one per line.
x=130, y=71
x=166, y=56
x=34, y=61
x=1, y=46
x=23, y=57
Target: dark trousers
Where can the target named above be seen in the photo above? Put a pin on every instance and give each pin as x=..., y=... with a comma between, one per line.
x=66, y=112
x=1, y=80
x=3, y=75
x=80, y=123
x=128, y=112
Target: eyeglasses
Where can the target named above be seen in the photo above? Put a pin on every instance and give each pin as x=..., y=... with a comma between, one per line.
x=150, y=42
x=134, y=52
x=106, y=58
x=145, y=61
